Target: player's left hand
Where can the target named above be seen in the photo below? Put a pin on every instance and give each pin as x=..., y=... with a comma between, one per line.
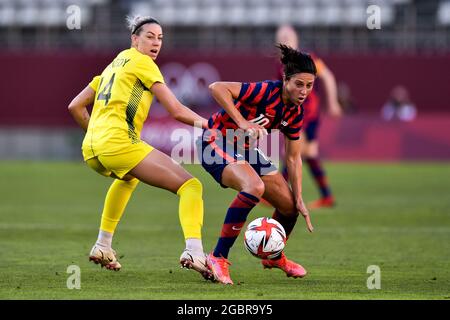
x=301, y=208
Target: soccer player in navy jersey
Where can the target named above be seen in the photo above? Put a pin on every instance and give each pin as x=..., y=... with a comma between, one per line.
x=310, y=150
x=227, y=151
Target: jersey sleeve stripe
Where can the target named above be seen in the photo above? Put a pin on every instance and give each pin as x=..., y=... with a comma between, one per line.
x=273, y=93
x=261, y=93
x=292, y=129
x=244, y=89
x=297, y=119
x=255, y=91
x=251, y=87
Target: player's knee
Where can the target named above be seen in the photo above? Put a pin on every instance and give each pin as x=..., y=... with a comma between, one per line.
x=255, y=188
x=192, y=185
x=196, y=185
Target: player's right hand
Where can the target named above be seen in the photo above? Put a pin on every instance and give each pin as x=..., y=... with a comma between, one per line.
x=255, y=131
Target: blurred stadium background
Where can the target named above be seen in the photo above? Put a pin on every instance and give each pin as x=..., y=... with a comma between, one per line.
x=45, y=63
x=394, y=215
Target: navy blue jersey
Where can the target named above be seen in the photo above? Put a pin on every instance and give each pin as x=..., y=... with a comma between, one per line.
x=262, y=103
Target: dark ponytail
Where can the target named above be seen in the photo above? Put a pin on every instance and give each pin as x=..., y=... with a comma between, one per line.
x=295, y=61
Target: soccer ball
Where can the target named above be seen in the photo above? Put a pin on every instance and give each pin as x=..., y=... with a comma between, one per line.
x=265, y=238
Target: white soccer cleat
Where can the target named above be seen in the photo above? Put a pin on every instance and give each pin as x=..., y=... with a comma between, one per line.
x=105, y=257
x=197, y=261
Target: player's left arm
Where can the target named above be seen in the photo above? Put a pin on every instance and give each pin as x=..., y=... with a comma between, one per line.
x=294, y=167
x=78, y=107
x=330, y=88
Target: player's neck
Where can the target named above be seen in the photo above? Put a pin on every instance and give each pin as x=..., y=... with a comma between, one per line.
x=285, y=96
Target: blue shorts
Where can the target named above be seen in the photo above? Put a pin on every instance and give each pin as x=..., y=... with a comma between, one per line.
x=311, y=128
x=215, y=155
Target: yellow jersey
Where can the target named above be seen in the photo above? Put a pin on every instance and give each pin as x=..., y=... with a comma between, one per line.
x=122, y=103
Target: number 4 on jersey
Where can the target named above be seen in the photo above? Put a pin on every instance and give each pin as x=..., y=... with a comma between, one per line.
x=105, y=94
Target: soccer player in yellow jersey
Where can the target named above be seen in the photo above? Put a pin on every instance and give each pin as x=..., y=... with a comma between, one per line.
x=121, y=98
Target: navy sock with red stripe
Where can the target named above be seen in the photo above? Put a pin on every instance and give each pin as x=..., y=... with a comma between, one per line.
x=234, y=221
x=317, y=171
x=288, y=222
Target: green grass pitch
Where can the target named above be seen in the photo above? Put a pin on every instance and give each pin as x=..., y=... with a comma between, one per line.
x=395, y=216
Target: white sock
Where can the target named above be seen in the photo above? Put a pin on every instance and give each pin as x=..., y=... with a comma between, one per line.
x=194, y=244
x=104, y=239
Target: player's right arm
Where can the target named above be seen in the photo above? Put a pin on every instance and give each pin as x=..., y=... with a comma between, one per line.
x=176, y=109
x=150, y=75
x=79, y=104
x=225, y=93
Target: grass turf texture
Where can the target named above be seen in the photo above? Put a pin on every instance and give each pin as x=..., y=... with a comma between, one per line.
x=396, y=216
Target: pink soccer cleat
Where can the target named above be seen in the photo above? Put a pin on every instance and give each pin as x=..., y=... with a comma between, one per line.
x=326, y=202
x=219, y=268
x=291, y=268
